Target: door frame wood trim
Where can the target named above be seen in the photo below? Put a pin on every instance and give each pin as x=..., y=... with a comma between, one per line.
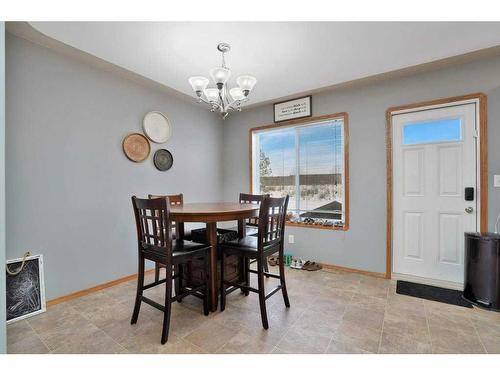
x=483, y=160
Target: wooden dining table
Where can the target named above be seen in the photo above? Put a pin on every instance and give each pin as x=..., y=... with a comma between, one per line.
x=211, y=213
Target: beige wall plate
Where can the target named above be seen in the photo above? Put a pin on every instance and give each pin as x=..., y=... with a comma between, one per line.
x=136, y=147
x=157, y=127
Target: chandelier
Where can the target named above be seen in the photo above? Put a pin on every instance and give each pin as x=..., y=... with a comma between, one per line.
x=220, y=98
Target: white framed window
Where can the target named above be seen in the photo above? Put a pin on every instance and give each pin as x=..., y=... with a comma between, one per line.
x=308, y=160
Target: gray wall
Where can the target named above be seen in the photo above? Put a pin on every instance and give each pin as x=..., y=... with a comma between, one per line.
x=3, y=344
x=363, y=245
x=69, y=183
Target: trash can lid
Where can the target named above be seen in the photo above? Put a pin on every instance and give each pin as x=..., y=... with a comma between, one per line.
x=484, y=235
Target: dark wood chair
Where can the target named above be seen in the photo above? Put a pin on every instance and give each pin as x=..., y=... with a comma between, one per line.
x=154, y=243
x=251, y=227
x=175, y=200
x=270, y=237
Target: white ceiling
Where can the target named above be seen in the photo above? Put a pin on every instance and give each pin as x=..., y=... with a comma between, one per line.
x=286, y=58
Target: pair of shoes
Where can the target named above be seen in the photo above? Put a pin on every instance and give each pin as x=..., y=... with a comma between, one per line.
x=297, y=264
x=273, y=261
x=311, y=266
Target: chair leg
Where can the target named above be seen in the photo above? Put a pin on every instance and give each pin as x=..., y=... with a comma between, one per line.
x=247, y=274
x=262, y=292
x=266, y=266
x=222, y=284
x=138, y=295
x=207, y=288
x=157, y=271
x=168, y=306
x=282, y=279
x=179, y=270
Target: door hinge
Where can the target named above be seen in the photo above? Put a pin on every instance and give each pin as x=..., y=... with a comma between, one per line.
x=476, y=133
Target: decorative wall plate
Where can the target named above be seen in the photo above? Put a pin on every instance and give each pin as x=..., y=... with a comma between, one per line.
x=136, y=147
x=163, y=160
x=157, y=127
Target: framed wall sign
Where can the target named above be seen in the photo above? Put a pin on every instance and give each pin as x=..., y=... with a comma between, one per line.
x=293, y=109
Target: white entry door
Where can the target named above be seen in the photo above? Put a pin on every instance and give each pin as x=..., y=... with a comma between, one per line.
x=434, y=161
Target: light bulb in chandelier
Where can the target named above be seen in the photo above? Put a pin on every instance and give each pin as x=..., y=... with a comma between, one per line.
x=237, y=93
x=246, y=83
x=220, y=75
x=212, y=95
x=198, y=84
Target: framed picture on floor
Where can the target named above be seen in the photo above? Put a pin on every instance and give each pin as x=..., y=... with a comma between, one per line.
x=25, y=288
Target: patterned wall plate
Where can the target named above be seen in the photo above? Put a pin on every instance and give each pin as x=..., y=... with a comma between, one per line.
x=136, y=147
x=163, y=160
x=157, y=127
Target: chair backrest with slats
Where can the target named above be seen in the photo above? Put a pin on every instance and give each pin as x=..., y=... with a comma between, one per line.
x=272, y=218
x=253, y=199
x=154, y=226
x=175, y=200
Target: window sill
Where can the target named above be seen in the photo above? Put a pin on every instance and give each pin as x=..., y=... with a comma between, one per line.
x=316, y=226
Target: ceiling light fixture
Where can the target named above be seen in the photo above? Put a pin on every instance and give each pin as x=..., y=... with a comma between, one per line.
x=221, y=98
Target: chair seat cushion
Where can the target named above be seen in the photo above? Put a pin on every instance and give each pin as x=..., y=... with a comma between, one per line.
x=183, y=250
x=246, y=244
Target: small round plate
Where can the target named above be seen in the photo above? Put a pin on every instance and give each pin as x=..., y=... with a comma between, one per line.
x=136, y=147
x=157, y=127
x=163, y=160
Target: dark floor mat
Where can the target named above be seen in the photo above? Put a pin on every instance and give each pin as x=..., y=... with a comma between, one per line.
x=433, y=293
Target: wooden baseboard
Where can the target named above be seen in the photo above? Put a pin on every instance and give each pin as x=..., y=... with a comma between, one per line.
x=93, y=289
x=354, y=270
x=121, y=280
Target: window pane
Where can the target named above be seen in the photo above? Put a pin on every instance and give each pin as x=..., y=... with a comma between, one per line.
x=321, y=168
x=447, y=130
x=277, y=164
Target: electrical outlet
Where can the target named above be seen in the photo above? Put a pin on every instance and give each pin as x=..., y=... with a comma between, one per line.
x=496, y=180
x=291, y=238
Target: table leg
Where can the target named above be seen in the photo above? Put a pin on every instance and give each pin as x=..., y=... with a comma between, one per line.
x=212, y=275
x=242, y=228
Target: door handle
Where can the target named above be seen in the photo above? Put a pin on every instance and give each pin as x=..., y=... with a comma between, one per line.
x=469, y=210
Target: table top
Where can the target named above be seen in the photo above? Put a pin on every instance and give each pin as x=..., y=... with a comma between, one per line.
x=218, y=211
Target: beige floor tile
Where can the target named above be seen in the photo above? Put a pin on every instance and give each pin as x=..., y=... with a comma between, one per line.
x=305, y=340
x=369, y=318
x=54, y=317
x=242, y=343
x=368, y=302
x=150, y=343
x=68, y=333
x=451, y=341
x=96, y=343
x=211, y=336
x=402, y=344
x=18, y=331
x=356, y=335
x=28, y=345
x=406, y=323
x=337, y=347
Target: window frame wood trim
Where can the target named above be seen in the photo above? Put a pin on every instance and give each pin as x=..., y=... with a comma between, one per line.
x=305, y=121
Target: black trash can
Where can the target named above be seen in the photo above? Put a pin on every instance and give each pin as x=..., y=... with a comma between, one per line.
x=482, y=270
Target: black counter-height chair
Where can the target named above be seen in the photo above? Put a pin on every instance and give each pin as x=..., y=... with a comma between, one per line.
x=179, y=231
x=269, y=240
x=251, y=229
x=154, y=243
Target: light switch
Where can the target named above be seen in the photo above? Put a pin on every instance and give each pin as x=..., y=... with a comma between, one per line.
x=496, y=180
x=291, y=238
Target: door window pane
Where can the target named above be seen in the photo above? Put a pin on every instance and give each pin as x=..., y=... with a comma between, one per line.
x=445, y=130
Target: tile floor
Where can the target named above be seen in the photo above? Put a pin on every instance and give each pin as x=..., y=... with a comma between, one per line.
x=331, y=312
